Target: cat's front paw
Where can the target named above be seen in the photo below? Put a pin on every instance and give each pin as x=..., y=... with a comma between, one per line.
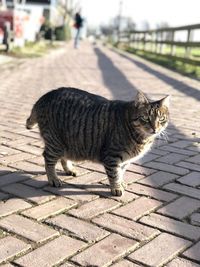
x=117, y=191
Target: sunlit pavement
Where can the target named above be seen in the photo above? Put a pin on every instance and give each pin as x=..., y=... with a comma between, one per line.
x=5, y=59
x=155, y=223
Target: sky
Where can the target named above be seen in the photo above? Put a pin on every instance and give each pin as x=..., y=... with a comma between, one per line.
x=174, y=12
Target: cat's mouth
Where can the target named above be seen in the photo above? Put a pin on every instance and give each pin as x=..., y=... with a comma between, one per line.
x=153, y=133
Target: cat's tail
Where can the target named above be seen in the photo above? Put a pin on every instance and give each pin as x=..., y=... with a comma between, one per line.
x=32, y=120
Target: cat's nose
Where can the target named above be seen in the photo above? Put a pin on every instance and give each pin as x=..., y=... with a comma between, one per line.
x=154, y=131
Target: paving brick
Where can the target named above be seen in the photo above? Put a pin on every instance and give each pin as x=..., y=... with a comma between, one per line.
x=3, y=196
x=30, y=149
x=72, y=192
x=195, y=219
x=38, y=160
x=93, y=166
x=188, y=165
x=103, y=190
x=180, y=262
x=2, y=233
x=13, y=205
x=160, y=250
x=6, y=151
x=79, y=172
x=27, y=167
x=94, y=208
x=89, y=178
x=183, y=189
x=125, y=263
x=195, y=148
x=34, y=134
x=152, y=192
x=15, y=158
x=131, y=177
x=137, y=208
x=13, y=178
x=140, y=169
x=37, y=181
x=159, y=152
x=194, y=159
x=159, y=179
x=167, y=168
x=49, y=209
x=179, y=150
x=181, y=143
x=19, y=141
x=180, y=208
x=5, y=170
x=81, y=229
x=10, y=247
x=193, y=252
x=7, y=265
x=5, y=133
x=108, y=251
x=51, y=253
x=68, y=265
x=146, y=158
x=23, y=191
x=172, y=158
x=125, y=227
x=27, y=228
x=172, y=226
x=191, y=179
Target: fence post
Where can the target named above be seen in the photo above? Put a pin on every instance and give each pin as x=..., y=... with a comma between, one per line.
x=138, y=41
x=144, y=42
x=161, y=44
x=131, y=39
x=151, y=42
x=172, y=45
x=156, y=41
x=189, y=39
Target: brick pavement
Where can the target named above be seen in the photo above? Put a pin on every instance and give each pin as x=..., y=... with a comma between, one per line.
x=156, y=222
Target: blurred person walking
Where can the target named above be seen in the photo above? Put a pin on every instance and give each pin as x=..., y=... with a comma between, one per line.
x=78, y=25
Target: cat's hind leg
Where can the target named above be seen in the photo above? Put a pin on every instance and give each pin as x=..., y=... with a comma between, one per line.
x=68, y=167
x=50, y=163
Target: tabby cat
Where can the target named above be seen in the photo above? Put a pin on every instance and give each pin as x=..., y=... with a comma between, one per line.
x=77, y=125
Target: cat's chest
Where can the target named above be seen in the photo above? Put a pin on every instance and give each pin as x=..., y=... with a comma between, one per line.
x=139, y=153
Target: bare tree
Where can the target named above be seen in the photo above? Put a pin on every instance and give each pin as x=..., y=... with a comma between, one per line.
x=127, y=24
x=145, y=25
x=167, y=35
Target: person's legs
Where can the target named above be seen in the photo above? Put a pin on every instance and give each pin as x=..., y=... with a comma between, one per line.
x=76, y=41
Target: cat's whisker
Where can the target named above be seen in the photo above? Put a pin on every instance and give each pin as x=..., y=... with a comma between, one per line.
x=163, y=136
x=166, y=135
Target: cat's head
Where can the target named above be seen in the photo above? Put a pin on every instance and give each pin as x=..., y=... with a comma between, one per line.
x=150, y=117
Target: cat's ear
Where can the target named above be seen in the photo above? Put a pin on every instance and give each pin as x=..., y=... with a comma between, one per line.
x=140, y=99
x=165, y=101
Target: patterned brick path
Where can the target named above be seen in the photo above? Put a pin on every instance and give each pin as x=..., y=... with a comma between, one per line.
x=156, y=222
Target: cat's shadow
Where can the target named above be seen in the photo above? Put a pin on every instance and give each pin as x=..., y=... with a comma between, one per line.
x=22, y=185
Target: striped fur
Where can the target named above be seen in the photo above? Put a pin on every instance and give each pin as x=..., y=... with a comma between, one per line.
x=76, y=125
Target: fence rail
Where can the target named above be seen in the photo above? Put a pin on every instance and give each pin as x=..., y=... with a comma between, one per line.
x=164, y=42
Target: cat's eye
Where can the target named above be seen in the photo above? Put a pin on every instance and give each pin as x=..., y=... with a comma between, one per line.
x=162, y=118
x=145, y=118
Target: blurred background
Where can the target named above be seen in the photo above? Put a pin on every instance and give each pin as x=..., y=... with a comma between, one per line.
x=166, y=32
